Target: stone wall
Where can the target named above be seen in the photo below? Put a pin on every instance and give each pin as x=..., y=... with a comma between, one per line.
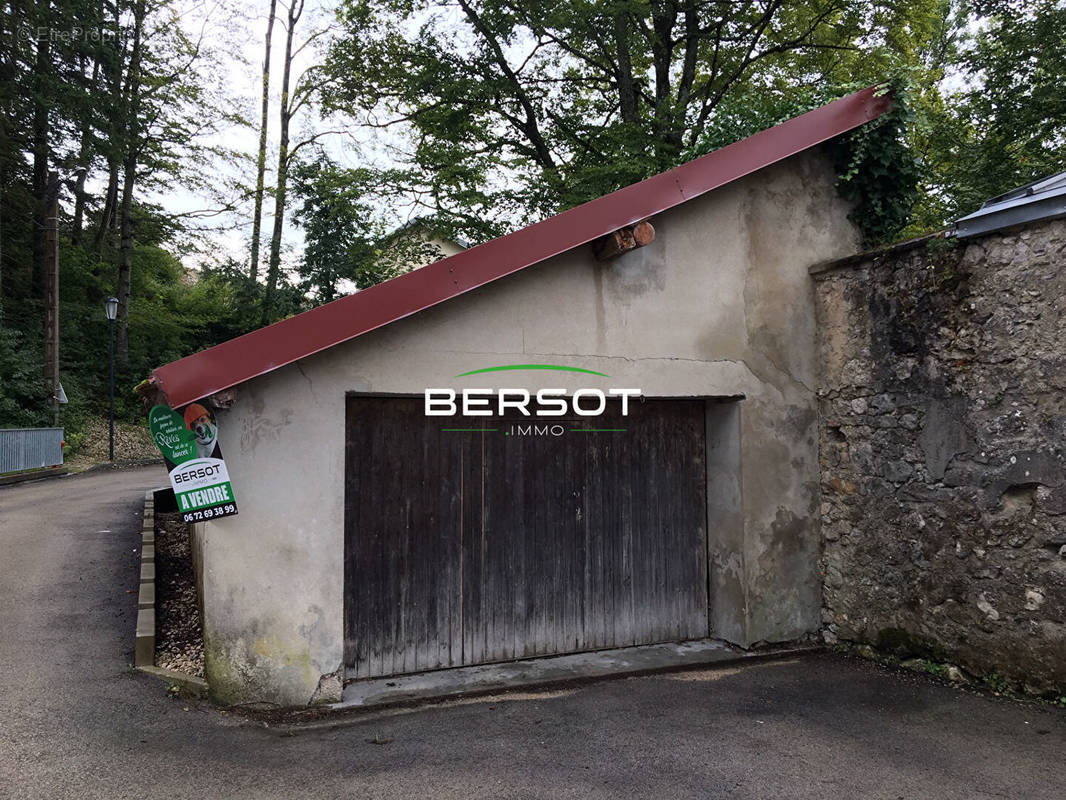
x=942, y=399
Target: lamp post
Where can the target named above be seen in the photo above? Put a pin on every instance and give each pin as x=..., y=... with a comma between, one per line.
x=111, y=309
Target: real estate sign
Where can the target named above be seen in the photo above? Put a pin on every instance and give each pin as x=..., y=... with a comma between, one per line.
x=188, y=440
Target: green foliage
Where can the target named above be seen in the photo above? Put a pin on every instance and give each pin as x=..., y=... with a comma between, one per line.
x=346, y=244
x=517, y=110
x=877, y=170
x=497, y=113
x=67, y=77
x=338, y=225
x=22, y=392
x=224, y=302
x=1006, y=124
x=928, y=667
x=998, y=684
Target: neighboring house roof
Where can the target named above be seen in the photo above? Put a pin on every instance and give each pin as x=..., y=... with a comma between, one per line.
x=274, y=346
x=1042, y=199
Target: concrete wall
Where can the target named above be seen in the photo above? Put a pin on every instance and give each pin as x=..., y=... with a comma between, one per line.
x=943, y=442
x=720, y=305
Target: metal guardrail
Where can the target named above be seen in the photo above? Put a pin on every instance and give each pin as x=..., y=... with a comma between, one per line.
x=30, y=448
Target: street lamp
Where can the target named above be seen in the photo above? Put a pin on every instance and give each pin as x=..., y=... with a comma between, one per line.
x=111, y=309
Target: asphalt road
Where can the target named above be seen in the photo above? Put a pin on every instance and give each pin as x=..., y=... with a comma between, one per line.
x=75, y=722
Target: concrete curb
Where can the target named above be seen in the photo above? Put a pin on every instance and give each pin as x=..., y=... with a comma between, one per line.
x=292, y=722
x=189, y=684
x=36, y=475
x=144, y=651
x=144, y=658
x=104, y=466
x=540, y=674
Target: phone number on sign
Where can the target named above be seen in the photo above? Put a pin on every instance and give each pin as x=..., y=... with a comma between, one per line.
x=227, y=510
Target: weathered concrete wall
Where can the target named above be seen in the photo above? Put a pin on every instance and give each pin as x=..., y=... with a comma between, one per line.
x=719, y=305
x=943, y=416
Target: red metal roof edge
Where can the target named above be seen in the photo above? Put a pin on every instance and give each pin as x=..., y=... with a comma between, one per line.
x=289, y=340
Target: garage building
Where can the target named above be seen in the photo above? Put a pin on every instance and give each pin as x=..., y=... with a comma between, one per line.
x=374, y=539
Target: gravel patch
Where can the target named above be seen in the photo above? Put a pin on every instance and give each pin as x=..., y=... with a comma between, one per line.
x=179, y=637
x=132, y=442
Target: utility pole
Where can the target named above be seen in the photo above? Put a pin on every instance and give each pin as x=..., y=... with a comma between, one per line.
x=51, y=295
x=1, y=264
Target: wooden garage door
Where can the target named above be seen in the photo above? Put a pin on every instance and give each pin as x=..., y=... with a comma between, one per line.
x=467, y=547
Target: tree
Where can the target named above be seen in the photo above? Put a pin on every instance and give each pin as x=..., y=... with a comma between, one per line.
x=295, y=95
x=346, y=243
x=134, y=145
x=170, y=106
x=338, y=228
x=79, y=98
x=518, y=109
x=1007, y=126
x=46, y=116
x=260, y=164
x=111, y=137
x=286, y=110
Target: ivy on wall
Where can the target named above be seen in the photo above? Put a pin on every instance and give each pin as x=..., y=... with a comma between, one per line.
x=876, y=169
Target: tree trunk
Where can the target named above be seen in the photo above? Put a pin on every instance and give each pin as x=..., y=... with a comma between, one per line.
x=260, y=170
x=84, y=156
x=114, y=79
x=107, y=214
x=80, y=196
x=42, y=67
x=3, y=182
x=627, y=90
x=51, y=296
x=665, y=113
x=295, y=9
x=125, y=261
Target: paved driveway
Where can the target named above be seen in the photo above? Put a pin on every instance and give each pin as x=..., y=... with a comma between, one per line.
x=75, y=723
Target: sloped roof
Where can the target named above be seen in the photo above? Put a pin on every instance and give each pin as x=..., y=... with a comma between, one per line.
x=274, y=346
x=1042, y=199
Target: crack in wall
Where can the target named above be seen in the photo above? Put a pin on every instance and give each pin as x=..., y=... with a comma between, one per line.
x=306, y=377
